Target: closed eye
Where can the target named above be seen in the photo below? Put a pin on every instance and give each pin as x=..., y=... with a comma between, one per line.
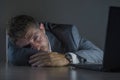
x=35, y=37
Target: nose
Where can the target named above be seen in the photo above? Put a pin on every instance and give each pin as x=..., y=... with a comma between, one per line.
x=32, y=43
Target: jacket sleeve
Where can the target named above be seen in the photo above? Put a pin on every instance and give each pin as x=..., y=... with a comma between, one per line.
x=86, y=49
x=19, y=56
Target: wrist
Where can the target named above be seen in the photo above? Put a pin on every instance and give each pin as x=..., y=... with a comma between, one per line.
x=73, y=59
x=67, y=61
x=68, y=58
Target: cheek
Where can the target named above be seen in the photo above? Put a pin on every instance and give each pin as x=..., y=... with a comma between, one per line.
x=41, y=39
x=41, y=43
x=38, y=42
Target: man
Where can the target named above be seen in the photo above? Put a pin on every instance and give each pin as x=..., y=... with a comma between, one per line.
x=31, y=43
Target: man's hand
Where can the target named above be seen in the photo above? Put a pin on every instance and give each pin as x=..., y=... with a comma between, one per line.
x=48, y=59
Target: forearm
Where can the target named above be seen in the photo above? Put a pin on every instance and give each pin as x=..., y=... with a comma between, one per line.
x=20, y=56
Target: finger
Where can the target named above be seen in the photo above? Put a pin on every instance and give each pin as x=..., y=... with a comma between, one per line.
x=41, y=63
x=34, y=60
x=36, y=64
x=38, y=54
x=33, y=56
x=39, y=58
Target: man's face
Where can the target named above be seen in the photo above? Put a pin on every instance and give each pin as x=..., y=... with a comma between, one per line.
x=34, y=37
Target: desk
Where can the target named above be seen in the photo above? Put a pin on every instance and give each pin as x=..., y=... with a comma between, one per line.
x=56, y=73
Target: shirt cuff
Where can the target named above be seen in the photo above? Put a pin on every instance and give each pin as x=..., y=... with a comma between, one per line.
x=74, y=57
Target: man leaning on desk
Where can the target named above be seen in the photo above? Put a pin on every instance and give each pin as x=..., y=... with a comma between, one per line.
x=48, y=44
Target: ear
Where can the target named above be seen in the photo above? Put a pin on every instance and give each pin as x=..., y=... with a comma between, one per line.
x=42, y=28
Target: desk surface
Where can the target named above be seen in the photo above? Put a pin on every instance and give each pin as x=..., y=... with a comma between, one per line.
x=56, y=73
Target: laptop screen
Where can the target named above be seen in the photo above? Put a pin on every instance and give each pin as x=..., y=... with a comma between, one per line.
x=112, y=43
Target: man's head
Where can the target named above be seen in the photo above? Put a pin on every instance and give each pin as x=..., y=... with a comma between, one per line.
x=24, y=30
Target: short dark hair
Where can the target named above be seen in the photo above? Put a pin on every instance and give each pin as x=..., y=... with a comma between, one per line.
x=18, y=26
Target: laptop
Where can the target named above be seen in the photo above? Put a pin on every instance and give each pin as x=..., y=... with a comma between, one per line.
x=111, y=59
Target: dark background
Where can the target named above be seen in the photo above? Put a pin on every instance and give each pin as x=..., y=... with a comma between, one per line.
x=90, y=16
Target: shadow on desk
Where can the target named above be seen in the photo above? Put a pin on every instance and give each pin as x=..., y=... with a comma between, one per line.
x=53, y=73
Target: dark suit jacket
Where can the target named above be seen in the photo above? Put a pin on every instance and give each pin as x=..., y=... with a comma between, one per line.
x=63, y=38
